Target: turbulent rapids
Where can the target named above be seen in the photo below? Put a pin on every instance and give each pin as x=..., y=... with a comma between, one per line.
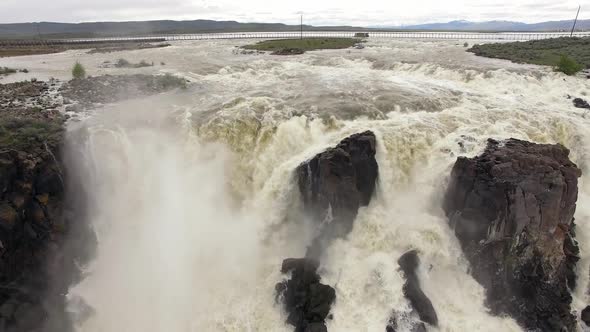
x=194, y=200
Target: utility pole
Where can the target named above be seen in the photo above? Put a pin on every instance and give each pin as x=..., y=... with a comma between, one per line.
x=302, y=26
x=575, y=21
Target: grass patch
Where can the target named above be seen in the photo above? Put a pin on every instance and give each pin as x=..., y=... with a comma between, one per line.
x=568, y=65
x=305, y=44
x=25, y=134
x=548, y=52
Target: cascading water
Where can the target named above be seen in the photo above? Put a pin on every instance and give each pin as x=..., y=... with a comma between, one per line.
x=194, y=201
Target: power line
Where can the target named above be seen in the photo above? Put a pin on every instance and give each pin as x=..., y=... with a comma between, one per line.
x=576, y=20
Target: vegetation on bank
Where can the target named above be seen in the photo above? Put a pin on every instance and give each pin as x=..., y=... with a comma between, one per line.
x=305, y=44
x=28, y=133
x=7, y=71
x=78, y=72
x=568, y=55
x=568, y=65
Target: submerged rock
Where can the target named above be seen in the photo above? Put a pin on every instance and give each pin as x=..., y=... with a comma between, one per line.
x=306, y=300
x=581, y=103
x=335, y=183
x=512, y=210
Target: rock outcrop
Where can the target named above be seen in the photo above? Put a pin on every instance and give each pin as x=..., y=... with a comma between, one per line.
x=35, y=225
x=421, y=304
x=31, y=221
x=585, y=316
x=409, y=263
x=306, y=300
x=335, y=183
x=581, y=103
x=512, y=210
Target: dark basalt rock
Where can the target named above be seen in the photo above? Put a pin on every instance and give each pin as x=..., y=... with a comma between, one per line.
x=408, y=263
x=581, y=103
x=35, y=221
x=421, y=304
x=512, y=210
x=288, y=51
x=585, y=316
x=335, y=183
x=306, y=300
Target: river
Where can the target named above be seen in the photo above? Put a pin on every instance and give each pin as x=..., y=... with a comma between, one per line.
x=194, y=201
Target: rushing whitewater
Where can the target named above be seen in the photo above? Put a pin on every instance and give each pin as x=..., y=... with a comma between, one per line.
x=194, y=203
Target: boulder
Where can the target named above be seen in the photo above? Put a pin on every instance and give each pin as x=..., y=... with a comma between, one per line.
x=409, y=263
x=581, y=103
x=335, y=183
x=585, y=316
x=512, y=210
x=306, y=300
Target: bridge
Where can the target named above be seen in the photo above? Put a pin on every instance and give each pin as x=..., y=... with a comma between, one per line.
x=434, y=35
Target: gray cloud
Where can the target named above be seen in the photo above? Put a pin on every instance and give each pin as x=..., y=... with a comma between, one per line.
x=328, y=12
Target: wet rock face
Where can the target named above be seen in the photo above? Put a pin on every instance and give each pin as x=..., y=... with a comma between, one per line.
x=30, y=219
x=512, y=210
x=585, y=316
x=421, y=304
x=581, y=103
x=335, y=183
x=306, y=300
x=409, y=263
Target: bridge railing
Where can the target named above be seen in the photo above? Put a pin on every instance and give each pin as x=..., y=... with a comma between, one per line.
x=508, y=36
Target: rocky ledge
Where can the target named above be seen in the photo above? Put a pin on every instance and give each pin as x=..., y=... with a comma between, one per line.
x=31, y=203
x=512, y=210
x=88, y=92
x=288, y=51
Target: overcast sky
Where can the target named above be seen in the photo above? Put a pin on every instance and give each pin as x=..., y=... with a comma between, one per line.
x=324, y=12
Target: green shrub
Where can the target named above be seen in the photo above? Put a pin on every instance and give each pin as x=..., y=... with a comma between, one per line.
x=78, y=72
x=466, y=45
x=568, y=65
x=6, y=71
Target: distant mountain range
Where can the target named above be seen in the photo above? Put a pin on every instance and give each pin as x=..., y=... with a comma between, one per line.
x=101, y=29
x=496, y=26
